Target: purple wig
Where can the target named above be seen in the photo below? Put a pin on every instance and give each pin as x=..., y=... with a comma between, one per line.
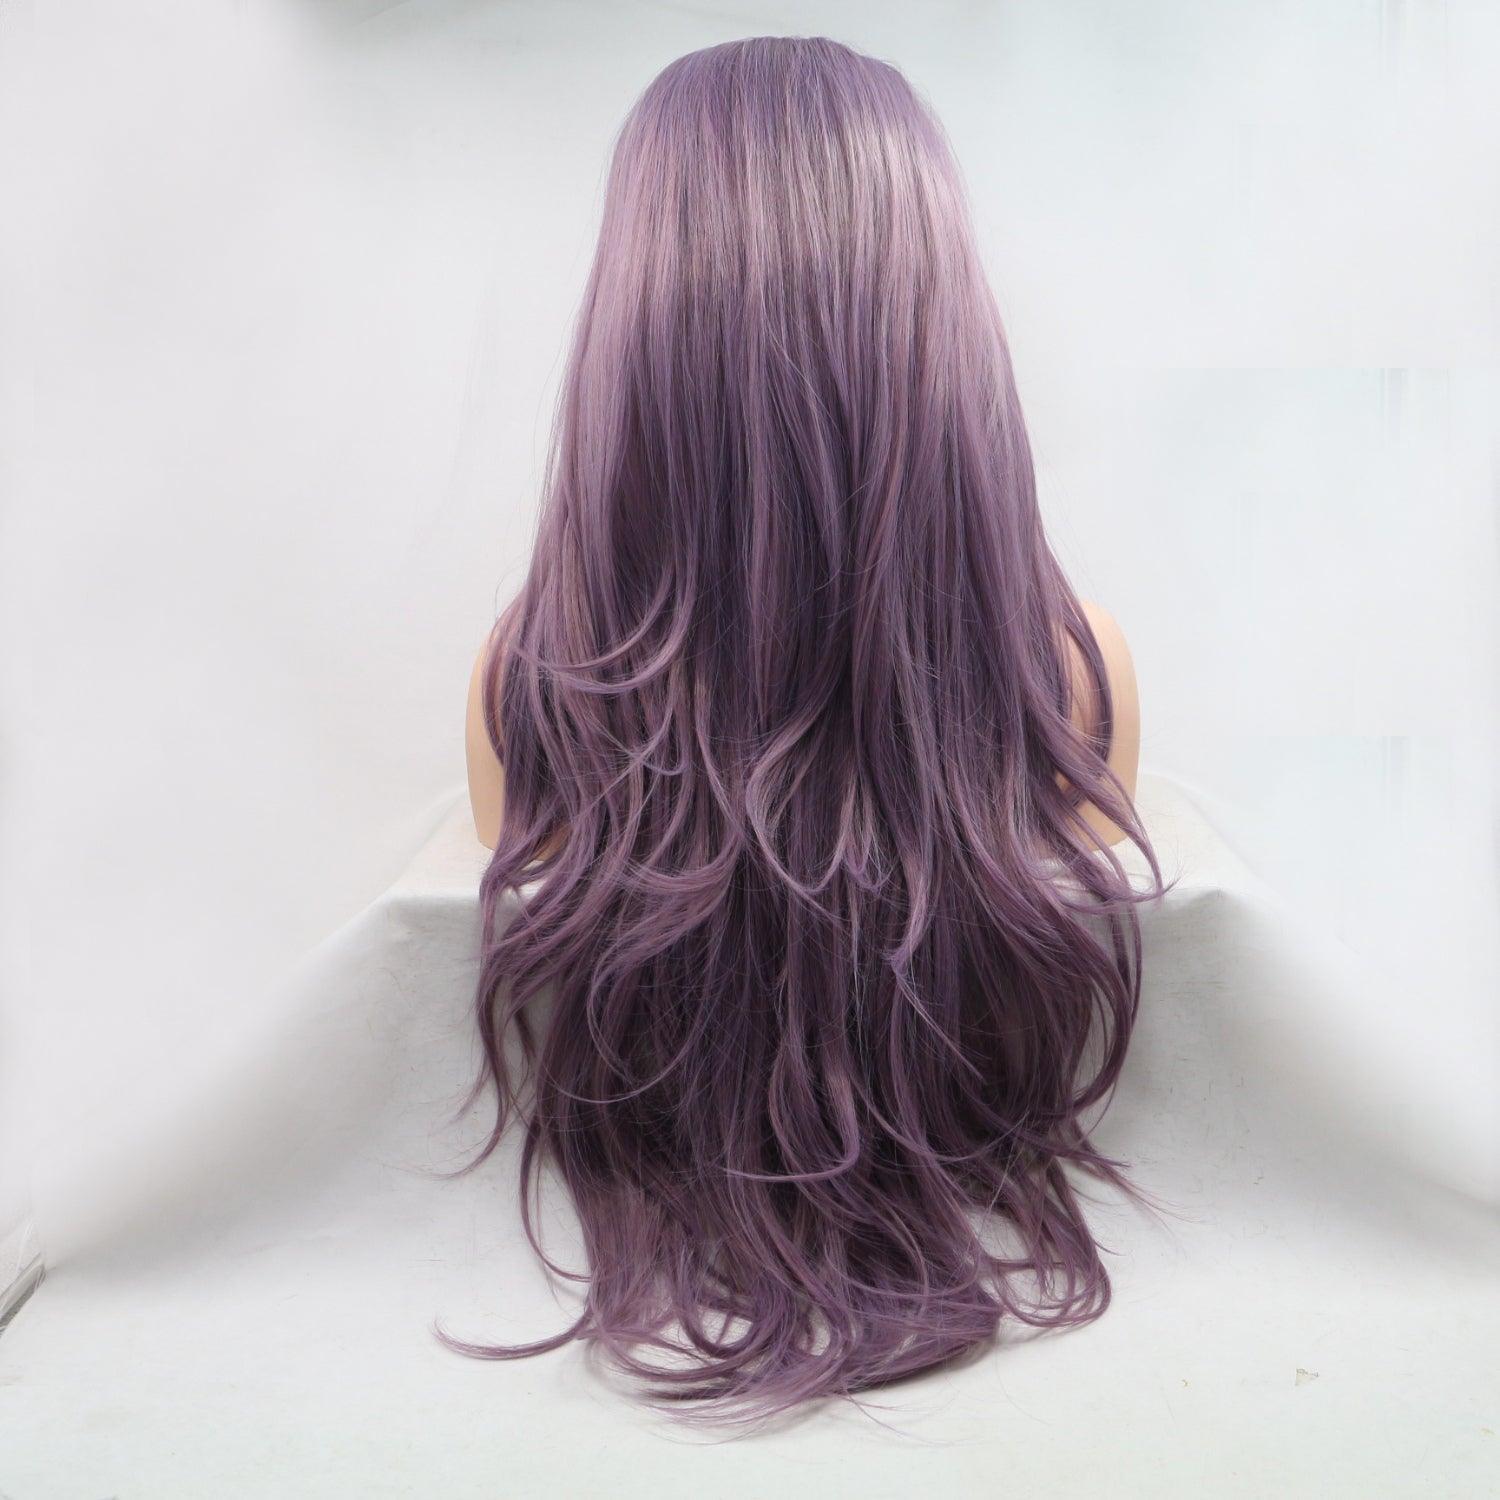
x=833, y=965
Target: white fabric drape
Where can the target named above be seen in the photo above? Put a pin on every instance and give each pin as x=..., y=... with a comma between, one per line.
x=244, y=1309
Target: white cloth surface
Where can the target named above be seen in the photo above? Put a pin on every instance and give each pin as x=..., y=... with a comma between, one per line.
x=248, y=1313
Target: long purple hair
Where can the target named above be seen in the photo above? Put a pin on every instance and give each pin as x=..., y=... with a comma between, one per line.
x=833, y=965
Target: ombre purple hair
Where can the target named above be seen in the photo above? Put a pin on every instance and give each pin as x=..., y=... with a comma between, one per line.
x=785, y=711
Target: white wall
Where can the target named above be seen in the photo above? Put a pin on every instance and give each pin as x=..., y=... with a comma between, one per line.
x=283, y=297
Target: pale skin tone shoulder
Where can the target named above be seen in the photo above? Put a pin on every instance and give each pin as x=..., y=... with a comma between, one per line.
x=1125, y=744
x=487, y=780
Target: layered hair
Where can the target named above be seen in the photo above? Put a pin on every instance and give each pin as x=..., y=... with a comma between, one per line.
x=833, y=963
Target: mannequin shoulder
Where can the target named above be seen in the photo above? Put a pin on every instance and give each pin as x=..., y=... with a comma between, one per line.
x=486, y=779
x=1119, y=669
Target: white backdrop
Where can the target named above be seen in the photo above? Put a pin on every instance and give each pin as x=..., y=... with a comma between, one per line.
x=285, y=292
